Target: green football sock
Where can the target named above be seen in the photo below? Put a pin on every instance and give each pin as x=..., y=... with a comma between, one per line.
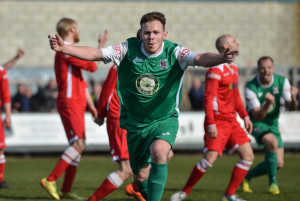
x=142, y=187
x=271, y=159
x=258, y=170
x=157, y=180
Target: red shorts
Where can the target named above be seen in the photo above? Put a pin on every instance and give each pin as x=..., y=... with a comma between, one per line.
x=2, y=136
x=117, y=141
x=73, y=121
x=230, y=136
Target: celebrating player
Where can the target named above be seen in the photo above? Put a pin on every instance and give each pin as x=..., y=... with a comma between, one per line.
x=263, y=95
x=149, y=80
x=5, y=99
x=222, y=101
x=72, y=100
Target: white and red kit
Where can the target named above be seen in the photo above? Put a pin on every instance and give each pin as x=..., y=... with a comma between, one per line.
x=4, y=98
x=109, y=107
x=222, y=101
x=71, y=100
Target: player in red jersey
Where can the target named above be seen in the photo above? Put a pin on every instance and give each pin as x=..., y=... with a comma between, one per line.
x=5, y=99
x=222, y=130
x=109, y=108
x=73, y=97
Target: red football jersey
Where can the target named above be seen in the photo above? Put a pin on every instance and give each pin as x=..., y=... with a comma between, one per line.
x=70, y=82
x=4, y=87
x=222, y=97
x=109, y=102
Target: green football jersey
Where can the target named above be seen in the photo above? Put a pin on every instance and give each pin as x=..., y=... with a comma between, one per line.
x=149, y=88
x=276, y=89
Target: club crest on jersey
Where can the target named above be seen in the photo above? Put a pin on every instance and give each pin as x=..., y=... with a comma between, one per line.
x=164, y=64
x=147, y=84
x=260, y=94
x=118, y=49
x=275, y=90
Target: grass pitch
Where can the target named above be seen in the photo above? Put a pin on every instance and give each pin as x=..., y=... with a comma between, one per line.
x=24, y=174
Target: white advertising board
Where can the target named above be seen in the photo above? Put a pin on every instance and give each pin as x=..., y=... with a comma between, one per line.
x=45, y=130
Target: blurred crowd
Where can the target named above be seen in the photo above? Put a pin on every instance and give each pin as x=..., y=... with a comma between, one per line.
x=44, y=99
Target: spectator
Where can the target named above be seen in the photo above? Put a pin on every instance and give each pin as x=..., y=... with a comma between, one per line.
x=196, y=95
x=17, y=98
x=26, y=100
x=45, y=98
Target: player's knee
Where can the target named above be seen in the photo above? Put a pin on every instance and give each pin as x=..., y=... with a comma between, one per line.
x=250, y=157
x=127, y=172
x=170, y=155
x=79, y=145
x=140, y=177
x=159, y=156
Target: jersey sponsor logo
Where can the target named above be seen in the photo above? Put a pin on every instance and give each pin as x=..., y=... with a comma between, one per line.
x=118, y=49
x=137, y=60
x=275, y=90
x=260, y=94
x=166, y=133
x=164, y=64
x=213, y=76
x=147, y=84
x=183, y=52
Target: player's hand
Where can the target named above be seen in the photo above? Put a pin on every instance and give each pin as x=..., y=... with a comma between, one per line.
x=269, y=98
x=230, y=55
x=7, y=121
x=20, y=53
x=93, y=111
x=248, y=124
x=102, y=39
x=212, y=131
x=294, y=92
x=99, y=121
x=57, y=43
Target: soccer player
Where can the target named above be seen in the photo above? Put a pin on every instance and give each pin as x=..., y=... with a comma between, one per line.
x=222, y=130
x=109, y=108
x=149, y=80
x=263, y=95
x=5, y=99
x=73, y=97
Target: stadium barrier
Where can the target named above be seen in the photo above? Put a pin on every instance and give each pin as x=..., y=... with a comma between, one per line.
x=43, y=132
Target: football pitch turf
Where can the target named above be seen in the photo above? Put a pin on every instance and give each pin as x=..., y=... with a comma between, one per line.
x=24, y=174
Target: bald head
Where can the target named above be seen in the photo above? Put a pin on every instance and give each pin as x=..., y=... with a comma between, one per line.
x=226, y=41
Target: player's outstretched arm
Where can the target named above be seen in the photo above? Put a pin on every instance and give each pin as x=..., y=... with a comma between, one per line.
x=213, y=59
x=85, y=53
x=14, y=60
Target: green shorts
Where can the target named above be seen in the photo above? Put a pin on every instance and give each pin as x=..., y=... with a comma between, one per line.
x=260, y=129
x=139, y=141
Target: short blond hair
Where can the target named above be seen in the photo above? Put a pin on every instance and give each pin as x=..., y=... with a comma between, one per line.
x=64, y=25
